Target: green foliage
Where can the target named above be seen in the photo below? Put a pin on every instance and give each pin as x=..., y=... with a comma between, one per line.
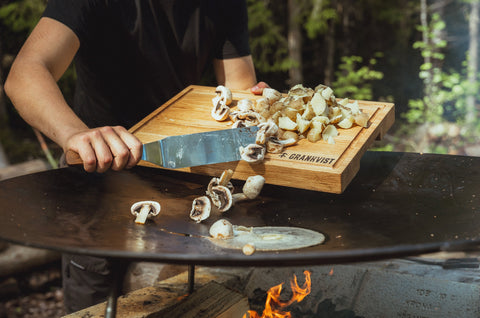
x=267, y=42
x=317, y=17
x=445, y=92
x=354, y=80
x=22, y=15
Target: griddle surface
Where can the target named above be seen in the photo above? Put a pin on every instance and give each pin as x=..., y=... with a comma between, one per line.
x=398, y=204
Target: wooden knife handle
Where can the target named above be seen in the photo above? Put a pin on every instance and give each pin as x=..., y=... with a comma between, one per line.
x=73, y=158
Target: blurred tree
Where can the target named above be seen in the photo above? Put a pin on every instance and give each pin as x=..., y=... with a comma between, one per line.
x=472, y=68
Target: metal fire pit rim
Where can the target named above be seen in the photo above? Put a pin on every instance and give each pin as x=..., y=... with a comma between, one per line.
x=277, y=259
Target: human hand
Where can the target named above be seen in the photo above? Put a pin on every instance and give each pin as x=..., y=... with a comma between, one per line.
x=105, y=148
x=258, y=88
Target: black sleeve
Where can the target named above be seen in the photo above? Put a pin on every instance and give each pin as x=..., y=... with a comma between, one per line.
x=236, y=22
x=78, y=15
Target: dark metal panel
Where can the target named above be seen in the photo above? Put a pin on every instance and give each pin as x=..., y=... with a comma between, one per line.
x=398, y=204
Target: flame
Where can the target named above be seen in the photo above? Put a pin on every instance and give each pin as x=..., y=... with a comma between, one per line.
x=273, y=304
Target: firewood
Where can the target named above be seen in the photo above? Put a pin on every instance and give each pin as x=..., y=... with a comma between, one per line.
x=213, y=300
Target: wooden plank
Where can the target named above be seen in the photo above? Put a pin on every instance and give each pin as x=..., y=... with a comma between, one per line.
x=211, y=301
x=152, y=301
x=315, y=166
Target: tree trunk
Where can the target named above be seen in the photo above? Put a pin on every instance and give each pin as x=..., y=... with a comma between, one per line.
x=330, y=62
x=471, y=115
x=426, y=41
x=294, y=42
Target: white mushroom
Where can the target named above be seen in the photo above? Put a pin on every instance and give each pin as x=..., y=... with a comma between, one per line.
x=249, y=117
x=253, y=186
x=252, y=153
x=265, y=130
x=239, y=124
x=221, y=198
x=245, y=105
x=272, y=94
x=248, y=249
x=221, y=229
x=145, y=209
x=251, y=189
x=274, y=145
x=224, y=180
x=220, y=110
x=201, y=208
x=224, y=93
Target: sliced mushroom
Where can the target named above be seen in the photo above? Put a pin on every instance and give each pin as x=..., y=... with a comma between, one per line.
x=266, y=130
x=250, y=117
x=145, y=209
x=220, y=110
x=221, y=229
x=224, y=93
x=252, y=153
x=224, y=180
x=274, y=145
x=239, y=124
x=245, y=105
x=221, y=197
x=201, y=208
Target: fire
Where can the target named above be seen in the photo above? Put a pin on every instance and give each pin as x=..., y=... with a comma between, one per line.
x=273, y=304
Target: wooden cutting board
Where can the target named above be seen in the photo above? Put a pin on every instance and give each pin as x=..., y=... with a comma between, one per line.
x=315, y=166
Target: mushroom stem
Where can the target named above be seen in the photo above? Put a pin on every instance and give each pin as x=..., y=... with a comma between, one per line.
x=143, y=214
x=237, y=197
x=225, y=177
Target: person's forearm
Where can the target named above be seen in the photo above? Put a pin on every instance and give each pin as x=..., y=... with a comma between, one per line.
x=236, y=73
x=38, y=99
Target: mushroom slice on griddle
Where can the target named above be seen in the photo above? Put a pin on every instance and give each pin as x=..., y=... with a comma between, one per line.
x=201, y=208
x=221, y=197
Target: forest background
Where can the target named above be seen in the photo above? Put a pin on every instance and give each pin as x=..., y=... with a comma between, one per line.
x=421, y=55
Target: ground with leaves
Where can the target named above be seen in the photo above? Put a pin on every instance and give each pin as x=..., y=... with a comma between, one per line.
x=36, y=294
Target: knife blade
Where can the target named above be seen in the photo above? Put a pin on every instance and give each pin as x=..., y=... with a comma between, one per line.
x=191, y=150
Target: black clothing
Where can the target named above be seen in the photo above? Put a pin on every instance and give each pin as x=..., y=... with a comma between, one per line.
x=136, y=54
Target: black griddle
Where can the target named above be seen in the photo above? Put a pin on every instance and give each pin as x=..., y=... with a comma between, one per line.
x=399, y=204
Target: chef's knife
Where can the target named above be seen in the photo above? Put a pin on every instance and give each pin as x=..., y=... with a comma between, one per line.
x=193, y=149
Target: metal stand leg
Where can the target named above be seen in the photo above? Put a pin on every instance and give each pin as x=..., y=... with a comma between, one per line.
x=191, y=278
x=118, y=272
x=111, y=309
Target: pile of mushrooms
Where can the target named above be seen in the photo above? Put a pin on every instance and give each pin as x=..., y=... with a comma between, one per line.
x=304, y=113
x=220, y=194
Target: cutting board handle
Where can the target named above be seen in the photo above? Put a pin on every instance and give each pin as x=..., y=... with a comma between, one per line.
x=73, y=158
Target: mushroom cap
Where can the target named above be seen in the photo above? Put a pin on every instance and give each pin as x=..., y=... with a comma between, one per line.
x=221, y=229
x=253, y=185
x=221, y=197
x=201, y=208
x=154, y=207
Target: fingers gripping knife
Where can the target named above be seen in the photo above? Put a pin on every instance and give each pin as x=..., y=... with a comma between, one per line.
x=193, y=149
